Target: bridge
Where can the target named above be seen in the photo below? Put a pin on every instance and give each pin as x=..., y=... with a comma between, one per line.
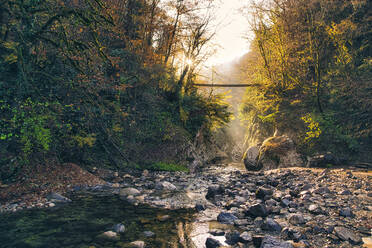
x=226, y=85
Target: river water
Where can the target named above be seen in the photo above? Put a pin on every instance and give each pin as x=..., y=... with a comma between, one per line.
x=78, y=224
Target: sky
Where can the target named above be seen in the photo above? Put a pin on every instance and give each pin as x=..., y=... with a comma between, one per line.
x=231, y=29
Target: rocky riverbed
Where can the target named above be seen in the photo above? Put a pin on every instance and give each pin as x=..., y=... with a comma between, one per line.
x=294, y=207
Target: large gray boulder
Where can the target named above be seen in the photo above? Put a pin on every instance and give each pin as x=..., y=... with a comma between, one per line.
x=250, y=158
x=278, y=152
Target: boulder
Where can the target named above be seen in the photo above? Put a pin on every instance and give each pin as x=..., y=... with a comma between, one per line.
x=250, y=159
x=278, y=152
x=323, y=160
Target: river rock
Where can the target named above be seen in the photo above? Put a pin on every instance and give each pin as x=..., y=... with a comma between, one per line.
x=167, y=186
x=271, y=225
x=213, y=191
x=212, y=243
x=148, y=234
x=164, y=218
x=226, y=218
x=273, y=242
x=296, y=219
x=263, y=192
x=57, y=198
x=278, y=152
x=346, y=212
x=129, y=191
x=257, y=210
x=345, y=234
x=118, y=228
x=137, y=244
x=245, y=237
x=109, y=235
x=217, y=232
x=232, y=237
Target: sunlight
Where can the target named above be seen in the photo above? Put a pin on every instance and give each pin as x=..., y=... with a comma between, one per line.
x=189, y=62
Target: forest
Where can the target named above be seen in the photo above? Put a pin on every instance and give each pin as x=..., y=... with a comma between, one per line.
x=102, y=82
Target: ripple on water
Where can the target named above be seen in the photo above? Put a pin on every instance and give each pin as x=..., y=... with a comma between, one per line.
x=79, y=223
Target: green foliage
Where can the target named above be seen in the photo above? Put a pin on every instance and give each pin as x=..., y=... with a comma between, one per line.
x=82, y=81
x=312, y=57
x=313, y=130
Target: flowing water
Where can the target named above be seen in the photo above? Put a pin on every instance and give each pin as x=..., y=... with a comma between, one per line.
x=78, y=224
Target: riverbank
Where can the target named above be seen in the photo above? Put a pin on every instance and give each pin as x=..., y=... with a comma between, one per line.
x=295, y=207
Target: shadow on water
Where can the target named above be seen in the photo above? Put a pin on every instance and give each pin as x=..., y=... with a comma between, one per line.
x=78, y=224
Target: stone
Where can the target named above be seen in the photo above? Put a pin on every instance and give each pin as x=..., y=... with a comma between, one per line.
x=273, y=242
x=109, y=235
x=285, y=203
x=321, y=190
x=232, y=237
x=226, y=218
x=345, y=234
x=271, y=225
x=217, y=232
x=118, y=228
x=241, y=222
x=165, y=186
x=296, y=219
x=346, y=212
x=257, y=240
x=323, y=160
x=278, y=152
x=345, y=192
x=257, y=210
x=148, y=234
x=57, y=198
x=213, y=191
x=129, y=191
x=315, y=209
x=292, y=234
x=250, y=159
x=164, y=218
x=245, y=237
x=145, y=173
x=212, y=243
x=262, y=192
x=137, y=244
x=200, y=207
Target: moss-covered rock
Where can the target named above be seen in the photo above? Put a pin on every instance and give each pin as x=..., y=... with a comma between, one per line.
x=278, y=152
